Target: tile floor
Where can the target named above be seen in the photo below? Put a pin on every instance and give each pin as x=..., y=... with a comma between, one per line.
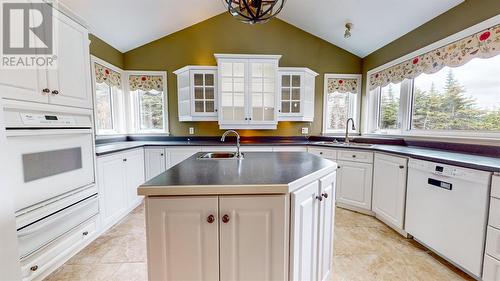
x=365, y=250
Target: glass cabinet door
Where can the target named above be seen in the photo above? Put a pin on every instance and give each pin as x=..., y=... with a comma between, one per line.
x=263, y=91
x=232, y=92
x=290, y=94
x=204, y=93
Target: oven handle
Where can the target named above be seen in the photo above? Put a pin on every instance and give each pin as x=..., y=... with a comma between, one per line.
x=26, y=133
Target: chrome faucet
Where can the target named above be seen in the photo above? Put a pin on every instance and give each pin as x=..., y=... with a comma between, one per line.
x=223, y=138
x=347, y=129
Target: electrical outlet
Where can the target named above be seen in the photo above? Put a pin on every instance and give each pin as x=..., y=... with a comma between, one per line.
x=305, y=130
x=191, y=130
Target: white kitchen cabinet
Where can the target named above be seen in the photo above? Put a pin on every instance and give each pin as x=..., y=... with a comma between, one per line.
x=117, y=179
x=296, y=101
x=248, y=91
x=327, y=153
x=185, y=232
x=326, y=223
x=135, y=176
x=197, y=93
x=491, y=269
x=253, y=238
x=155, y=162
x=68, y=83
x=389, y=189
x=354, y=185
x=175, y=155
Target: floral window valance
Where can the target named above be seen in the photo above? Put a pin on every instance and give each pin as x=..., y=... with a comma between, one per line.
x=108, y=76
x=342, y=85
x=146, y=82
x=484, y=44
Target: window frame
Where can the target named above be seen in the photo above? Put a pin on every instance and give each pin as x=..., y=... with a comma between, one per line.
x=117, y=100
x=372, y=97
x=355, y=106
x=134, y=120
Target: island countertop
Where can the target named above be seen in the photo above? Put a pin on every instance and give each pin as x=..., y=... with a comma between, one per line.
x=256, y=173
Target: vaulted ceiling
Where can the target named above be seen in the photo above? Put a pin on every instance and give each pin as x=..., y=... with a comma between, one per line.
x=127, y=24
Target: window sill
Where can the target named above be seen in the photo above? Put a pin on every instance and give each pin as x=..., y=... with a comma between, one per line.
x=480, y=138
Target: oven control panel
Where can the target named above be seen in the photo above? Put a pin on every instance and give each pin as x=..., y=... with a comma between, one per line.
x=43, y=119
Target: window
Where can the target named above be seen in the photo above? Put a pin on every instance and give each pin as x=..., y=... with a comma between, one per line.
x=340, y=102
x=108, y=97
x=451, y=88
x=148, y=102
x=462, y=98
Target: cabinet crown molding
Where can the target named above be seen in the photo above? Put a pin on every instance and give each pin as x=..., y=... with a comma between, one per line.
x=246, y=56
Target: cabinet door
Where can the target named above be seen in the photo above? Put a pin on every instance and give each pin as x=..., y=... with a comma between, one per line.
x=69, y=83
x=154, y=162
x=291, y=97
x=23, y=84
x=262, y=94
x=253, y=238
x=182, y=241
x=354, y=184
x=232, y=74
x=304, y=233
x=326, y=224
x=178, y=154
x=204, y=93
x=111, y=183
x=134, y=172
x=389, y=188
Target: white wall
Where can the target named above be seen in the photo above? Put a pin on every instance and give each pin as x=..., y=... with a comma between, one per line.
x=9, y=259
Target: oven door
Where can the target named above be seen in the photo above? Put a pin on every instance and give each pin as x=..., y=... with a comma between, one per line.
x=49, y=163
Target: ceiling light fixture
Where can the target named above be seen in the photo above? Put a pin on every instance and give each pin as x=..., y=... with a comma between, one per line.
x=254, y=11
x=348, y=27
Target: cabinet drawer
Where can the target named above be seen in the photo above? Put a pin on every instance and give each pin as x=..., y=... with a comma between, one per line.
x=356, y=156
x=491, y=269
x=493, y=242
x=494, y=219
x=495, y=186
x=323, y=152
x=45, y=258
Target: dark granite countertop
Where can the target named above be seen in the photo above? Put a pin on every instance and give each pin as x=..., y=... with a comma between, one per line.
x=467, y=160
x=257, y=172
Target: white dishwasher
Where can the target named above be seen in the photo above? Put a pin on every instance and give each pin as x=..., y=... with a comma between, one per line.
x=446, y=210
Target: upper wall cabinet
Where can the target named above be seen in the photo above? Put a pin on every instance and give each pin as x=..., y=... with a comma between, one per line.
x=296, y=102
x=68, y=83
x=248, y=91
x=197, y=93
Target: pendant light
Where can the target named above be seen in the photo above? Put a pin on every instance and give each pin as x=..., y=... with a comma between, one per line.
x=254, y=11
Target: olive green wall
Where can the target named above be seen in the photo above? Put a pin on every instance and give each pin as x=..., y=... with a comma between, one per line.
x=197, y=44
x=104, y=51
x=459, y=18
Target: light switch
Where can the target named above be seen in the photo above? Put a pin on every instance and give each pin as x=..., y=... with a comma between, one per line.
x=305, y=131
x=191, y=130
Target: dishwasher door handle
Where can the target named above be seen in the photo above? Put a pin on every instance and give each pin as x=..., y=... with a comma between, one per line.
x=440, y=184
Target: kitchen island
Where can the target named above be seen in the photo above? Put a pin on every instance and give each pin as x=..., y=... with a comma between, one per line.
x=268, y=216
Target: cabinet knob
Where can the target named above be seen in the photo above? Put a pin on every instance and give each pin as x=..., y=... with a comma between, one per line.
x=55, y=92
x=250, y=118
x=216, y=110
x=85, y=233
x=325, y=195
x=124, y=159
x=279, y=110
x=210, y=219
x=320, y=198
x=161, y=154
x=246, y=118
x=338, y=167
x=46, y=91
x=401, y=166
x=321, y=153
x=353, y=156
x=225, y=219
x=34, y=268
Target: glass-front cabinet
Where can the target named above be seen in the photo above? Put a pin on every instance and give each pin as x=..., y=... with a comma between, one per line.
x=197, y=93
x=248, y=91
x=296, y=90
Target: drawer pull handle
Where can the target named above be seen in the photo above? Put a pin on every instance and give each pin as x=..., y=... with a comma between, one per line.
x=319, y=198
x=34, y=268
x=401, y=166
x=225, y=219
x=210, y=219
x=85, y=233
x=325, y=195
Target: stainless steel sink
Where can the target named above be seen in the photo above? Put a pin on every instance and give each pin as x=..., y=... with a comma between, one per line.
x=350, y=144
x=220, y=155
x=326, y=142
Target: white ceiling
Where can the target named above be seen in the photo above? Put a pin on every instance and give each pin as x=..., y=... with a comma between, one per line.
x=127, y=24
